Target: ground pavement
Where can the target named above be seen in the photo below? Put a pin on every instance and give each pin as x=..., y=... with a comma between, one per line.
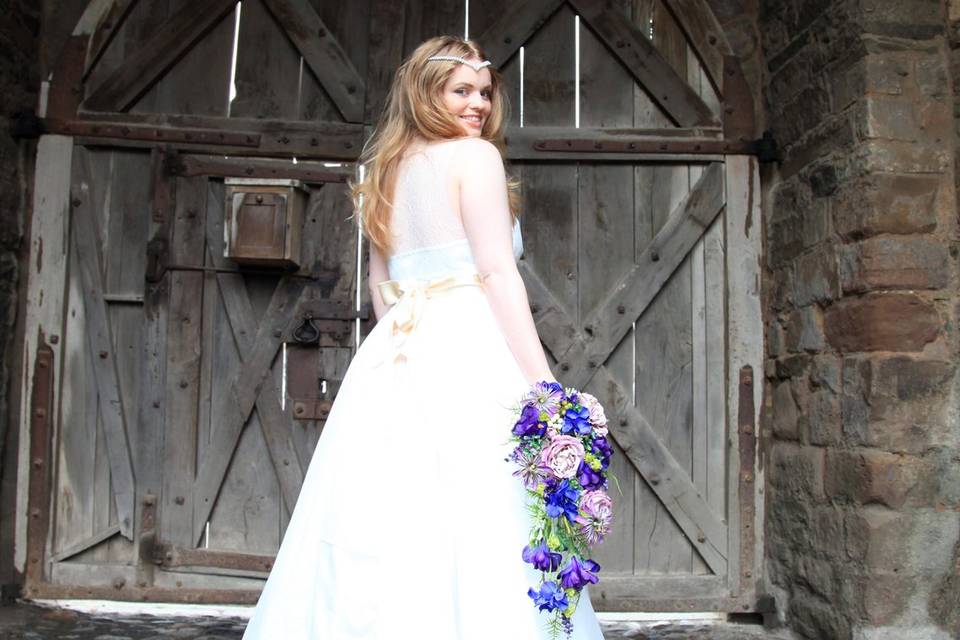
x=29, y=622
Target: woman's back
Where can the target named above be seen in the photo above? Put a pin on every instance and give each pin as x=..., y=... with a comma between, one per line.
x=428, y=235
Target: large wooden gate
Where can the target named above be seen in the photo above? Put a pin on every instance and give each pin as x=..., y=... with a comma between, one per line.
x=174, y=404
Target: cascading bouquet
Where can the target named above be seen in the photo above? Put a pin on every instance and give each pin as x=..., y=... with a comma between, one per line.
x=563, y=453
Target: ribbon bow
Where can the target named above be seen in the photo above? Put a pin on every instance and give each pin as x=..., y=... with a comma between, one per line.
x=409, y=296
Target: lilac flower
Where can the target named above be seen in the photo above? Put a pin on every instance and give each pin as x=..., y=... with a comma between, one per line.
x=561, y=500
x=562, y=456
x=528, y=424
x=576, y=421
x=546, y=397
x=596, y=515
x=578, y=573
x=549, y=597
x=531, y=472
x=541, y=557
x=588, y=478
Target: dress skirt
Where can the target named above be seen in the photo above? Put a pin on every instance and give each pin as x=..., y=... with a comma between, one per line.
x=409, y=523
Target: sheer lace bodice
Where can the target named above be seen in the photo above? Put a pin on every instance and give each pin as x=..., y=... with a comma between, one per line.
x=428, y=237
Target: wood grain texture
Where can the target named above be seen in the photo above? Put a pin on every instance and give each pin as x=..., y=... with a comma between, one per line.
x=646, y=63
x=169, y=41
x=322, y=52
x=86, y=242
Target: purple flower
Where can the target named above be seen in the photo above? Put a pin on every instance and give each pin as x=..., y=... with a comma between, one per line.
x=576, y=421
x=597, y=514
x=601, y=448
x=578, y=573
x=549, y=597
x=541, y=557
x=588, y=478
x=530, y=472
x=546, y=397
x=561, y=500
x=528, y=424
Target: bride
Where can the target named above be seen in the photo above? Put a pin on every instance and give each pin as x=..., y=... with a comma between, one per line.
x=409, y=523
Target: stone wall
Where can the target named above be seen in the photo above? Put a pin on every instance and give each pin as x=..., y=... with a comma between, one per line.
x=862, y=446
x=19, y=80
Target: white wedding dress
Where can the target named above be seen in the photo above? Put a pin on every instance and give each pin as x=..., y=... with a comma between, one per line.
x=409, y=523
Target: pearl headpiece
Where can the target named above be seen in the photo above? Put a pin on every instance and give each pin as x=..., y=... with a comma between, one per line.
x=475, y=67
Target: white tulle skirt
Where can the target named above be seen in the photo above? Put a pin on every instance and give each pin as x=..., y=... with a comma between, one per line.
x=409, y=523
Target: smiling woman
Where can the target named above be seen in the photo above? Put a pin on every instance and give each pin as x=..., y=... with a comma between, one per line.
x=467, y=95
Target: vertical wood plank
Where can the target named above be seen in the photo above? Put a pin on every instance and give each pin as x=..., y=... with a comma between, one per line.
x=349, y=23
x=184, y=336
x=549, y=225
x=268, y=67
x=744, y=330
x=387, y=26
x=606, y=224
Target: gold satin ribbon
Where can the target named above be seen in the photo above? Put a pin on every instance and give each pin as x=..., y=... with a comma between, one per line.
x=409, y=297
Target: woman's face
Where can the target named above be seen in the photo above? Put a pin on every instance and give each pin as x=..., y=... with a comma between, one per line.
x=467, y=95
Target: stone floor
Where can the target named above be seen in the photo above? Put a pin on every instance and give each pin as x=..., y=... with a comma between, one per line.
x=29, y=622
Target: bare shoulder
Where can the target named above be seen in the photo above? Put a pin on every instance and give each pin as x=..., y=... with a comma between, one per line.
x=476, y=155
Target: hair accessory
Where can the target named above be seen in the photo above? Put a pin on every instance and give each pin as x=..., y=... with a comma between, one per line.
x=475, y=67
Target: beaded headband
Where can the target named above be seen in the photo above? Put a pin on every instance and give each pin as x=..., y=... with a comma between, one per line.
x=475, y=67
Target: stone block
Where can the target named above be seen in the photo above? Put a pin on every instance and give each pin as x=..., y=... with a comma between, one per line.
x=878, y=477
x=793, y=366
x=894, y=204
x=896, y=404
x=894, y=263
x=815, y=619
x=931, y=76
x=889, y=117
x=824, y=426
x=888, y=73
x=776, y=340
x=798, y=222
x=784, y=420
x=817, y=575
x=881, y=322
x=805, y=330
x=885, y=597
x=895, y=156
x=790, y=519
x=827, y=533
x=826, y=373
x=797, y=470
x=817, y=278
x=914, y=20
x=781, y=285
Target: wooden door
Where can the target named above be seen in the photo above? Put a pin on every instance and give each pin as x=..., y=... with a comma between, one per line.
x=186, y=444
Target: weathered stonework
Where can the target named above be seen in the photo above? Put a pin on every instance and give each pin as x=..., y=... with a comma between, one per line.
x=862, y=443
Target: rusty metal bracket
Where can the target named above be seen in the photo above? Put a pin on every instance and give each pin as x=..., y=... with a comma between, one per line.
x=171, y=556
x=41, y=408
x=150, y=133
x=747, y=432
x=146, y=541
x=672, y=146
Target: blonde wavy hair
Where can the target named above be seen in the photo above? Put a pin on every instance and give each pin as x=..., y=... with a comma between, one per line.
x=415, y=108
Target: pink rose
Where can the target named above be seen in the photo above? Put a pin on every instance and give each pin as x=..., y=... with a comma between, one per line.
x=562, y=456
x=597, y=417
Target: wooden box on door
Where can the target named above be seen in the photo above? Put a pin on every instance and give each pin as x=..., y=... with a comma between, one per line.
x=264, y=221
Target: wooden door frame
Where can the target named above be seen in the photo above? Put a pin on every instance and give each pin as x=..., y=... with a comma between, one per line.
x=702, y=138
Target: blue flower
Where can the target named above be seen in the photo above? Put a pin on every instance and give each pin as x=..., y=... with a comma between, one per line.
x=588, y=478
x=549, y=597
x=541, y=557
x=561, y=500
x=578, y=573
x=575, y=421
x=528, y=424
